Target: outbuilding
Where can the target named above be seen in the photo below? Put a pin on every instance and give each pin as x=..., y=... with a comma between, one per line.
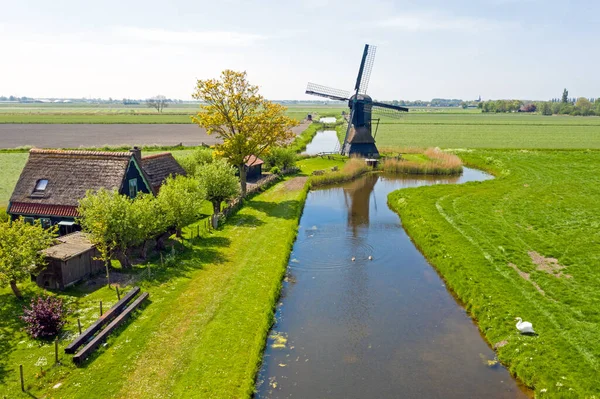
x=73, y=259
x=253, y=167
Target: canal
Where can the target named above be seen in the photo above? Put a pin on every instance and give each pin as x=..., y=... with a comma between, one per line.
x=352, y=327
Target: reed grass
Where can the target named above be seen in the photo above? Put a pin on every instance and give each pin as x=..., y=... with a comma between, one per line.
x=354, y=168
x=438, y=163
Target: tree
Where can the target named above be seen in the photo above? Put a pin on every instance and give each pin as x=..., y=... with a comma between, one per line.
x=546, y=108
x=584, y=106
x=220, y=183
x=180, y=199
x=106, y=216
x=193, y=162
x=148, y=219
x=20, y=246
x=159, y=102
x=247, y=123
x=565, y=96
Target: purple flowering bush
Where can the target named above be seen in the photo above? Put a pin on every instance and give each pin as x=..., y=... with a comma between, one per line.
x=45, y=316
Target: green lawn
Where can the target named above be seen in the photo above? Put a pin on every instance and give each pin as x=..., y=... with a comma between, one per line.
x=202, y=333
x=493, y=243
x=11, y=165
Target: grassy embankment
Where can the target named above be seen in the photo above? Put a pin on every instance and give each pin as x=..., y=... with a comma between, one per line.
x=522, y=245
x=203, y=332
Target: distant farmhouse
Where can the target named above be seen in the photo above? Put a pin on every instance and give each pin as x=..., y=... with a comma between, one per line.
x=53, y=181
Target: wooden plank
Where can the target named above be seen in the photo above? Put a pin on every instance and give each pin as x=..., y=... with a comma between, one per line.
x=94, y=328
x=101, y=337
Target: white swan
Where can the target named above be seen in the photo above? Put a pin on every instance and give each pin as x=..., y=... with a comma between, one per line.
x=524, y=327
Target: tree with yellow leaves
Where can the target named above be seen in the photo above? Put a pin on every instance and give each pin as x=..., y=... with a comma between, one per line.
x=247, y=123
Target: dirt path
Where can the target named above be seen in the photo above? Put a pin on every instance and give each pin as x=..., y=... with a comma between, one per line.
x=82, y=135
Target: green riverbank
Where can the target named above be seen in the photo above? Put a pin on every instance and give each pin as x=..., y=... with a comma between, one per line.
x=203, y=331
x=522, y=245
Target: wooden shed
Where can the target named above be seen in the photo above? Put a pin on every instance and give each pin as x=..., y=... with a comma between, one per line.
x=68, y=262
x=253, y=167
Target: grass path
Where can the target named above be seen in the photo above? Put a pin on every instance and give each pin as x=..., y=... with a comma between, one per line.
x=203, y=332
x=524, y=244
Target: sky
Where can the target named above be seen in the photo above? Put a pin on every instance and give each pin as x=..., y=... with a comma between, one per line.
x=525, y=49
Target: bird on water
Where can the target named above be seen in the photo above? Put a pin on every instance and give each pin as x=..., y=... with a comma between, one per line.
x=524, y=327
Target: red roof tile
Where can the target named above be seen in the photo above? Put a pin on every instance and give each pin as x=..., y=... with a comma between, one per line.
x=252, y=160
x=21, y=208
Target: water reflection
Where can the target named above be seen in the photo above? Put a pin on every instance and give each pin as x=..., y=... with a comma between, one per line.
x=381, y=328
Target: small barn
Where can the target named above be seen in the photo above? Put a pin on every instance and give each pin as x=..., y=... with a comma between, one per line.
x=253, y=167
x=68, y=262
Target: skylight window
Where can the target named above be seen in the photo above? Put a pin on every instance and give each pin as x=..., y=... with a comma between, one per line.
x=41, y=185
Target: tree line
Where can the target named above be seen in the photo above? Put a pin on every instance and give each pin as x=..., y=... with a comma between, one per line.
x=563, y=106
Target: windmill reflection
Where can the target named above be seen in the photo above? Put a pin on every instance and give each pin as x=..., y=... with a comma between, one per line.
x=357, y=195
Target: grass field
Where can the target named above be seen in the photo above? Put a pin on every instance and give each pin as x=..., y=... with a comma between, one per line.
x=202, y=333
x=522, y=245
x=117, y=114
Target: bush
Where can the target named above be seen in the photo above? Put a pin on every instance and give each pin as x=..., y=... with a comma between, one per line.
x=45, y=317
x=3, y=215
x=275, y=170
x=283, y=158
x=192, y=162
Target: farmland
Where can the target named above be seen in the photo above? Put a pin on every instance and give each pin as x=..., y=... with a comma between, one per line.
x=121, y=114
x=522, y=245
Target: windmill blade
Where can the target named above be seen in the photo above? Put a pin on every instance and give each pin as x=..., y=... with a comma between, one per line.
x=364, y=72
x=327, y=92
x=387, y=110
x=389, y=106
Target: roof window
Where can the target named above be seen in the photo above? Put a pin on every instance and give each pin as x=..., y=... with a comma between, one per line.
x=41, y=185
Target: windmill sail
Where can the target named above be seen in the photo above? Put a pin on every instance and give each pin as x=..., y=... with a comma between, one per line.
x=364, y=72
x=392, y=111
x=327, y=92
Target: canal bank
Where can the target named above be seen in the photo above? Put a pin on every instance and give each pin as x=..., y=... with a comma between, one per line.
x=351, y=326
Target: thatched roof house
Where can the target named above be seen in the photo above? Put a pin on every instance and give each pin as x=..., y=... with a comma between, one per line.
x=53, y=181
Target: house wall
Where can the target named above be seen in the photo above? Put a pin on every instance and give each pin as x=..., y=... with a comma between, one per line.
x=133, y=172
x=80, y=267
x=59, y=274
x=254, y=171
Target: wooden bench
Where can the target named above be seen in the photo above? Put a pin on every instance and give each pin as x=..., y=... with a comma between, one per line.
x=101, y=337
x=104, y=319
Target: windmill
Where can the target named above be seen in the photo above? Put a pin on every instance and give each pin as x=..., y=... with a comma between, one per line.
x=359, y=139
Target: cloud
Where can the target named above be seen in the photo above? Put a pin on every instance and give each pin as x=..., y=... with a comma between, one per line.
x=208, y=38
x=432, y=21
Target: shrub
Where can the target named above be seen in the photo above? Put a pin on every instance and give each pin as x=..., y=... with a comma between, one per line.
x=275, y=170
x=45, y=317
x=3, y=215
x=283, y=158
x=192, y=162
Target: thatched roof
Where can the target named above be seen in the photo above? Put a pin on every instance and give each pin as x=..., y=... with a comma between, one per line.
x=160, y=166
x=69, y=175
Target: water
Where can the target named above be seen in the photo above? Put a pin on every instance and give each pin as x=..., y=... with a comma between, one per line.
x=381, y=328
x=328, y=119
x=324, y=141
